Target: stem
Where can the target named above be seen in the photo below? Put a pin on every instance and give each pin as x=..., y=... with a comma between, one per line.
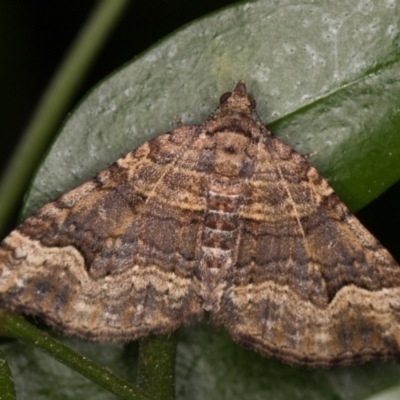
x=7, y=391
x=156, y=374
x=16, y=327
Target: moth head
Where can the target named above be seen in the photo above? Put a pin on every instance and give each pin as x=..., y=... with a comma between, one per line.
x=238, y=98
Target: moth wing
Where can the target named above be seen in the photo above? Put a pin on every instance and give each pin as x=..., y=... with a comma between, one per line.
x=311, y=285
x=106, y=260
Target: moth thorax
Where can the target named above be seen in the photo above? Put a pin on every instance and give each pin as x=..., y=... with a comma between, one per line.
x=230, y=154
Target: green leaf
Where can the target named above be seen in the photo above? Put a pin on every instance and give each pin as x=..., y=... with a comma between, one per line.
x=325, y=77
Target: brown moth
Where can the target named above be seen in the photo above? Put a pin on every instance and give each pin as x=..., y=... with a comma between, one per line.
x=221, y=217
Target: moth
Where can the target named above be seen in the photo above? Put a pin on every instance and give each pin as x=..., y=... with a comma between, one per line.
x=222, y=217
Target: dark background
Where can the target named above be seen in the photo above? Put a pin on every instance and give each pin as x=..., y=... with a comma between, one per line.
x=35, y=35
